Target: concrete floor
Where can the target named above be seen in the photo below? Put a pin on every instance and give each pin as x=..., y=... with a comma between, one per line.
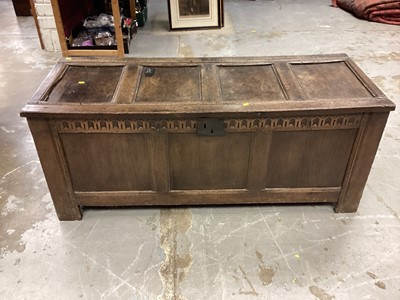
x=248, y=252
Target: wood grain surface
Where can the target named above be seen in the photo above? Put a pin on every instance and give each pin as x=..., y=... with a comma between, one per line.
x=301, y=129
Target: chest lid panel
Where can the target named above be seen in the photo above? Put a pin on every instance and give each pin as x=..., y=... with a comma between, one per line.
x=207, y=85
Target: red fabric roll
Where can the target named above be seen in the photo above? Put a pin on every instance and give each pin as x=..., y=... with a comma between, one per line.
x=383, y=11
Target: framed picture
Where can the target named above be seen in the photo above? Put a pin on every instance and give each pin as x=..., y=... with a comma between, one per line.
x=186, y=14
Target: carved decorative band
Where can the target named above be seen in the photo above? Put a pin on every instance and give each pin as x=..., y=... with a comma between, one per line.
x=190, y=125
x=127, y=126
x=296, y=123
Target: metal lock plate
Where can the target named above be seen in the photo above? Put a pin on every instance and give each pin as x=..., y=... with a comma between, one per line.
x=210, y=127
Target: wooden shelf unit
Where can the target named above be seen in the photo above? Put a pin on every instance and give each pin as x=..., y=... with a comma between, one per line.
x=119, y=51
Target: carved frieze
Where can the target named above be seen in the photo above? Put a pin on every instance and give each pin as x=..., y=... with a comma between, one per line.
x=231, y=125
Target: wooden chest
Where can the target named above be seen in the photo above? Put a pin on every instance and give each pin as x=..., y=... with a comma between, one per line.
x=206, y=131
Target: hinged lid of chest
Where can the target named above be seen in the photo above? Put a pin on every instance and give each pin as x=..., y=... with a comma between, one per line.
x=207, y=85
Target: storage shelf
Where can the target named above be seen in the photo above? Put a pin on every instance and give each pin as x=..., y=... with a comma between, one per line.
x=90, y=51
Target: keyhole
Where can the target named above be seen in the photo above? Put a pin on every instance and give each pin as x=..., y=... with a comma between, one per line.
x=205, y=126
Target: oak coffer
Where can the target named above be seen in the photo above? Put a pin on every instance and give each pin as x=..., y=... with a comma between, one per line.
x=116, y=132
